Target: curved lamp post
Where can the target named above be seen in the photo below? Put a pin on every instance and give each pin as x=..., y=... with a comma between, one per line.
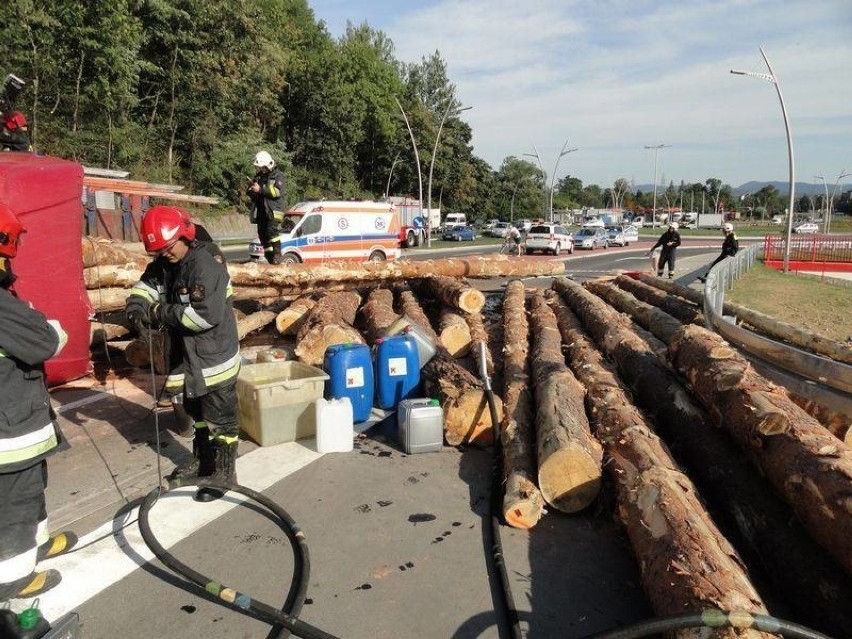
x=654, y=204
x=416, y=154
x=829, y=202
x=541, y=168
x=564, y=151
x=771, y=77
x=390, y=175
x=432, y=165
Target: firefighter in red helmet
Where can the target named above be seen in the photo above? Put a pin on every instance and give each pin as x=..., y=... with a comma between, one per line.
x=188, y=292
x=28, y=435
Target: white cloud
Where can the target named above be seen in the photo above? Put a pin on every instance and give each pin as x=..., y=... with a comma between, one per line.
x=614, y=75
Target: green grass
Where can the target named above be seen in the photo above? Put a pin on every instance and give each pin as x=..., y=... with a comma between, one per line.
x=818, y=305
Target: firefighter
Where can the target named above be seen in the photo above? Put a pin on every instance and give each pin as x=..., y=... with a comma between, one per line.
x=730, y=246
x=28, y=433
x=267, y=205
x=14, y=132
x=668, y=241
x=188, y=292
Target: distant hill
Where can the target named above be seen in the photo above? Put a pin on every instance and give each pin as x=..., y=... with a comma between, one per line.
x=802, y=188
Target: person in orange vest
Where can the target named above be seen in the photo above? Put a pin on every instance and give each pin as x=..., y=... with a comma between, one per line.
x=28, y=433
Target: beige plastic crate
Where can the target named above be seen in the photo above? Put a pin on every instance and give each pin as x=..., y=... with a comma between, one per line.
x=275, y=401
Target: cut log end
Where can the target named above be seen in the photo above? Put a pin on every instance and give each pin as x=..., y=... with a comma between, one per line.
x=311, y=349
x=523, y=505
x=468, y=420
x=570, y=479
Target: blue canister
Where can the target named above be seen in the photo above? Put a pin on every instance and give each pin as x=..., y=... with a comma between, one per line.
x=350, y=372
x=397, y=370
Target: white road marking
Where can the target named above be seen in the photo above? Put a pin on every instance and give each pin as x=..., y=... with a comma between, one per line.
x=95, y=567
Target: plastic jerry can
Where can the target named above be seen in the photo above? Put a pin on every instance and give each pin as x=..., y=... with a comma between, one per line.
x=335, y=430
x=420, y=424
x=425, y=344
x=350, y=372
x=397, y=370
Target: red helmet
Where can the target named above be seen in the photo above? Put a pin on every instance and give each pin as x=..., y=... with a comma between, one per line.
x=15, y=120
x=162, y=226
x=10, y=230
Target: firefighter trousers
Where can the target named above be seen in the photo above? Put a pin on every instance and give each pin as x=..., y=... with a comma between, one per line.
x=216, y=410
x=23, y=524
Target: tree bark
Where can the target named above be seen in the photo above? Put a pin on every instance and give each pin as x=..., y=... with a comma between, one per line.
x=805, y=463
x=109, y=275
x=329, y=322
x=454, y=333
x=742, y=500
x=686, y=562
x=569, y=457
x=478, y=337
x=105, y=252
x=466, y=415
x=254, y=322
x=660, y=323
x=523, y=504
x=679, y=309
x=377, y=314
x=839, y=424
x=456, y=294
x=291, y=318
x=765, y=324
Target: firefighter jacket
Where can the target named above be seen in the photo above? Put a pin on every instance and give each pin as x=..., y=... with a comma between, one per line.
x=665, y=238
x=195, y=299
x=28, y=432
x=268, y=204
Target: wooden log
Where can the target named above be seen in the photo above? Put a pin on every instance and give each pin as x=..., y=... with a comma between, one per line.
x=456, y=294
x=686, y=562
x=454, y=333
x=138, y=352
x=806, y=464
x=108, y=299
x=102, y=332
x=741, y=500
x=765, y=324
x=377, y=314
x=291, y=318
x=523, y=504
x=97, y=251
x=328, y=323
x=660, y=323
x=479, y=338
x=463, y=401
x=838, y=424
x=674, y=306
x=108, y=275
x=254, y=322
x=569, y=457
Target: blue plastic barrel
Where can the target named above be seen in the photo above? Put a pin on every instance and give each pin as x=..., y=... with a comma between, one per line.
x=350, y=372
x=397, y=370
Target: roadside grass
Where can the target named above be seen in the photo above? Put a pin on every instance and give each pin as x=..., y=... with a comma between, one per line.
x=479, y=241
x=816, y=304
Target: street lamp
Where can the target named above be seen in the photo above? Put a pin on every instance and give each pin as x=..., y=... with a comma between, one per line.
x=564, y=151
x=512, y=204
x=654, y=205
x=771, y=77
x=541, y=168
x=829, y=202
x=390, y=175
x=432, y=164
x=416, y=154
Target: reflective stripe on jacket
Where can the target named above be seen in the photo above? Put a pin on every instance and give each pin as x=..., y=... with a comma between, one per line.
x=195, y=297
x=27, y=430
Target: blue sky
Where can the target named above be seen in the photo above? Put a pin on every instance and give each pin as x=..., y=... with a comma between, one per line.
x=612, y=76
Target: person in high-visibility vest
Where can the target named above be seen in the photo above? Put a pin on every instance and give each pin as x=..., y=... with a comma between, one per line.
x=28, y=432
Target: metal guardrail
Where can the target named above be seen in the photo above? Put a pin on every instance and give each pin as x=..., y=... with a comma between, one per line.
x=816, y=368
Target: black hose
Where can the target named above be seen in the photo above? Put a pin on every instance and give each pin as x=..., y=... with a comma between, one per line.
x=287, y=617
x=712, y=619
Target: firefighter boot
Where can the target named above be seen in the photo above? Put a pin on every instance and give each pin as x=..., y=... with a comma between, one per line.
x=202, y=462
x=225, y=470
x=276, y=253
x=184, y=424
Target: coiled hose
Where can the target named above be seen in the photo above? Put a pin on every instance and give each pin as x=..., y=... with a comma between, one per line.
x=288, y=615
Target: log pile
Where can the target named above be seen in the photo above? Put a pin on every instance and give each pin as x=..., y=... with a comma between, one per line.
x=329, y=322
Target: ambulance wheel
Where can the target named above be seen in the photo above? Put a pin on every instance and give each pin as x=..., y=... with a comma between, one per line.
x=377, y=256
x=290, y=258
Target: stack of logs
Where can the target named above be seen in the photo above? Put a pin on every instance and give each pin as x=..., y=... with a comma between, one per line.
x=698, y=447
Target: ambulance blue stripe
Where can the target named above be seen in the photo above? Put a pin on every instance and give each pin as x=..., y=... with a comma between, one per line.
x=303, y=241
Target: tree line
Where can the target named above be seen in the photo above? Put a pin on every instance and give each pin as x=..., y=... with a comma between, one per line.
x=188, y=90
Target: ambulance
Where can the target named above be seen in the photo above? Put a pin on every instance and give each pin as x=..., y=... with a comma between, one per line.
x=321, y=231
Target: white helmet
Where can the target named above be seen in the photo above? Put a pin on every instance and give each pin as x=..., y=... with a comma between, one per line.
x=263, y=159
x=727, y=227
x=673, y=226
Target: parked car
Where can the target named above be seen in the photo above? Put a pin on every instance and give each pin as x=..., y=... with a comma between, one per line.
x=459, y=234
x=622, y=235
x=591, y=238
x=500, y=229
x=523, y=225
x=593, y=223
x=549, y=238
x=807, y=227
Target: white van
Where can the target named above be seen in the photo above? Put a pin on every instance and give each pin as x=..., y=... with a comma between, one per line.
x=325, y=231
x=455, y=219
